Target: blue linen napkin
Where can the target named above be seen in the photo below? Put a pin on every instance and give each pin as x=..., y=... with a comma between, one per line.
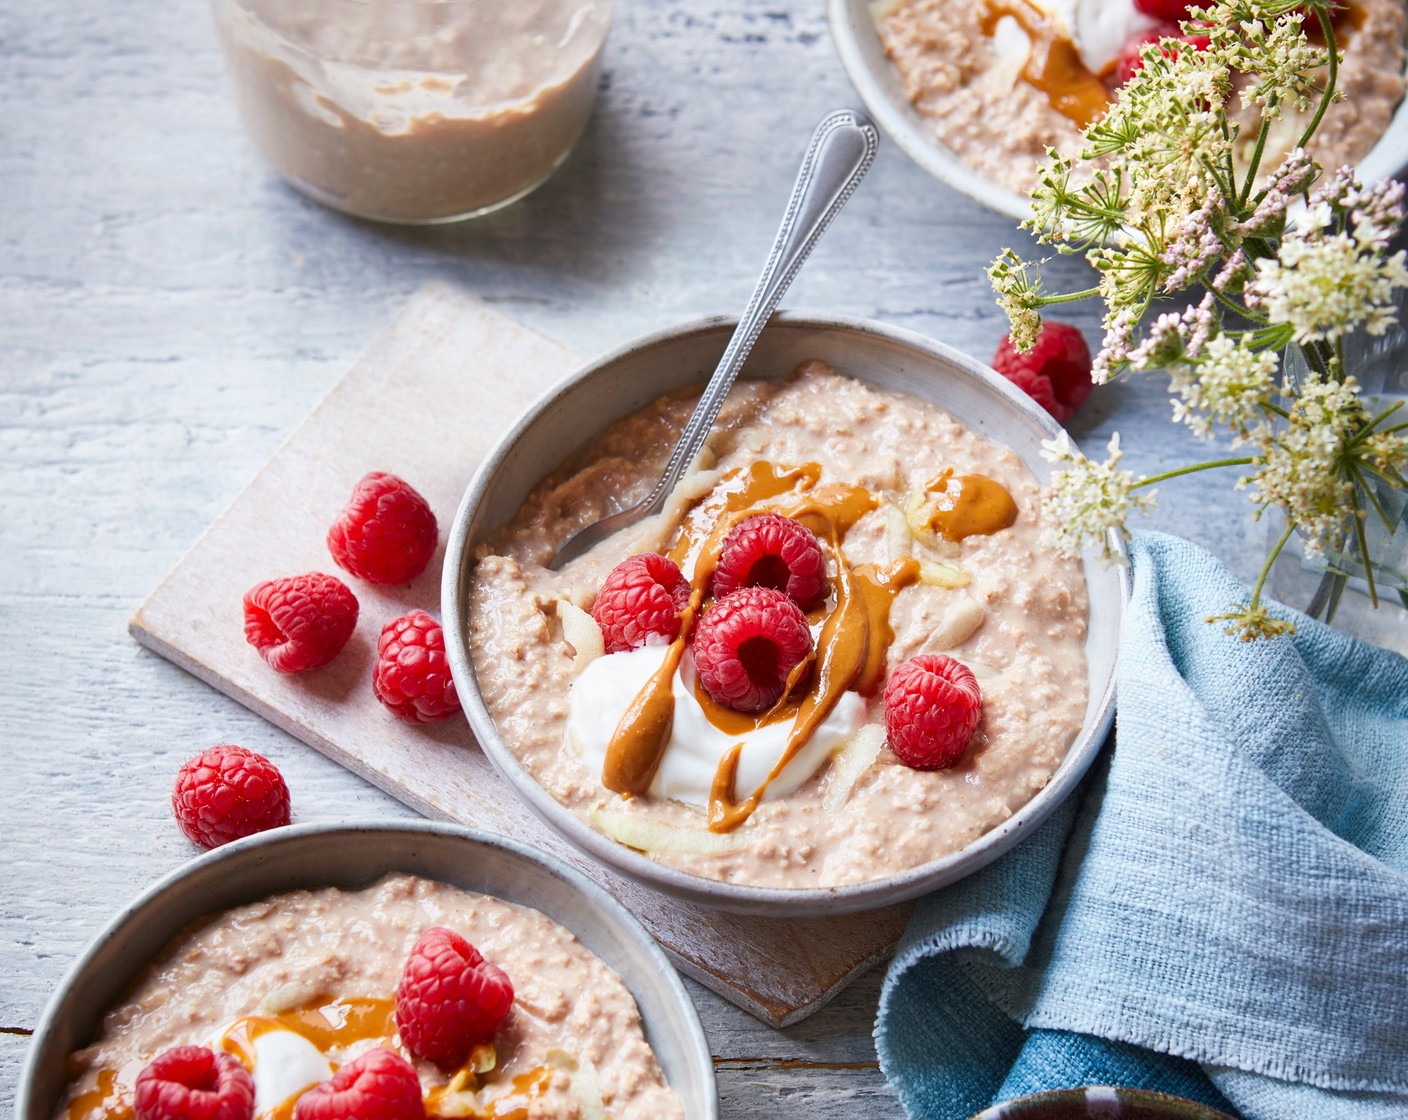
x=1225, y=914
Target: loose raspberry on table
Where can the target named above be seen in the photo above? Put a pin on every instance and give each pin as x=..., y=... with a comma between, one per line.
x=747, y=645
x=386, y=533
x=193, y=1083
x=411, y=676
x=1131, y=59
x=1060, y=360
x=771, y=550
x=379, y=1085
x=226, y=793
x=643, y=595
x=301, y=622
x=932, y=705
x=450, y=999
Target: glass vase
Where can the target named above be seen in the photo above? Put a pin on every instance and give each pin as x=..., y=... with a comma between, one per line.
x=1335, y=586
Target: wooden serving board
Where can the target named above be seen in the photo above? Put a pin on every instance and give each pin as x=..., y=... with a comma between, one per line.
x=426, y=402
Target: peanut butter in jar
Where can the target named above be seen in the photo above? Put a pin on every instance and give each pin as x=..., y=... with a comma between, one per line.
x=414, y=111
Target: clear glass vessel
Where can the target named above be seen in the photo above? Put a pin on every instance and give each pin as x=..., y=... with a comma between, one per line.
x=414, y=111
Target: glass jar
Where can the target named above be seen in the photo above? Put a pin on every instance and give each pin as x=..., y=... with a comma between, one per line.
x=414, y=111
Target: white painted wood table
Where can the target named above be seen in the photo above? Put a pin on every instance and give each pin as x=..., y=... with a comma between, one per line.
x=169, y=311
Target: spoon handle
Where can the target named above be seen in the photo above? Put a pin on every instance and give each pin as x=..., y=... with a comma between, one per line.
x=842, y=150
x=840, y=153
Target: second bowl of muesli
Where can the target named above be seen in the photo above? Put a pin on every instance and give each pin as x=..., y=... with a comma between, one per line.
x=976, y=93
x=840, y=669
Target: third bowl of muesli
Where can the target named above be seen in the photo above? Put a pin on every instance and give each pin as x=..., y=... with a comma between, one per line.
x=841, y=669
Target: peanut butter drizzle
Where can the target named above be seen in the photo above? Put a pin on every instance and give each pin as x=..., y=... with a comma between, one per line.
x=1053, y=65
x=109, y=1099
x=969, y=505
x=638, y=742
x=850, y=652
x=330, y=1025
x=327, y=1025
x=532, y=1084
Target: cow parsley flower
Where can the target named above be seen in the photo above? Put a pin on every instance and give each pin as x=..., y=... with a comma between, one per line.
x=1302, y=468
x=1324, y=285
x=1019, y=296
x=1168, y=193
x=1228, y=385
x=1089, y=499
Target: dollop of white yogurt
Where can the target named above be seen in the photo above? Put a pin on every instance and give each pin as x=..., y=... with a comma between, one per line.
x=285, y=1065
x=606, y=687
x=1098, y=28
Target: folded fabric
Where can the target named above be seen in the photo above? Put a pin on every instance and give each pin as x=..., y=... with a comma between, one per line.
x=1224, y=916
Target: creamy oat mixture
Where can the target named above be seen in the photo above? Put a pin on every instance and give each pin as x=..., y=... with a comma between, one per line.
x=969, y=88
x=413, y=112
x=325, y=964
x=1017, y=617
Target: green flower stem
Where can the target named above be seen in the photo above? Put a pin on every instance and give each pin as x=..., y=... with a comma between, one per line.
x=1270, y=560
x=1232, y=305
x=1327, y=26
x=1363, y=543
x=1255, y=164
x=1069, y=297
x=1191, y=470
x=1360, y=485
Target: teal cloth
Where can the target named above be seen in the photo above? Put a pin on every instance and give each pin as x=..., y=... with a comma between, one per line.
x=1224, y=915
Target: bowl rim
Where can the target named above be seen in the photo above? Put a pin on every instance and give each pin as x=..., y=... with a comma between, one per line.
x=715, y=893
x=254, y=849
x=1044, y=1102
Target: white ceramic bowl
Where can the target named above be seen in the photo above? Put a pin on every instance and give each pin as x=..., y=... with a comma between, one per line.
x=352, y=856
x=630, y=378
x=863, y=56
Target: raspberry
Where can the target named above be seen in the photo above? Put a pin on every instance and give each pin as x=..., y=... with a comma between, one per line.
x=411, y=676
x=301, y=622
x=226, y=793
x=932, y=705
x=1131, y=61
x=386, y=533
x=193, y=1083
x=1060, y=358
x=379, y=1085
x=772, y=551
x=450, y=999
x=747, y=645
x=643, y=595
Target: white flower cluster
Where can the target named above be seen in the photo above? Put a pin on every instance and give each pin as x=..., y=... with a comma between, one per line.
x=1323, y=285
x=1088, y=499
x=1301, y=466
x=1018, y=296
x=1230, y=385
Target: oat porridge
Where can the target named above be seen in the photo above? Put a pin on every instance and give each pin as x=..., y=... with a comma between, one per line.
x=301, y=984
x=1000, y=81
x=929, y=543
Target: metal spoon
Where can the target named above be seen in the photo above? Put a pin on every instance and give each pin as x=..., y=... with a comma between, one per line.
x=841, y=151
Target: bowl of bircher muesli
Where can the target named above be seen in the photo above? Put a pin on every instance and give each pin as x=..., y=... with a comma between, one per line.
x=398, y=970
x=840, y=669
x=976, y=93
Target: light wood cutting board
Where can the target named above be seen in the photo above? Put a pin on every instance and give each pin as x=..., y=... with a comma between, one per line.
x=426, y=402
